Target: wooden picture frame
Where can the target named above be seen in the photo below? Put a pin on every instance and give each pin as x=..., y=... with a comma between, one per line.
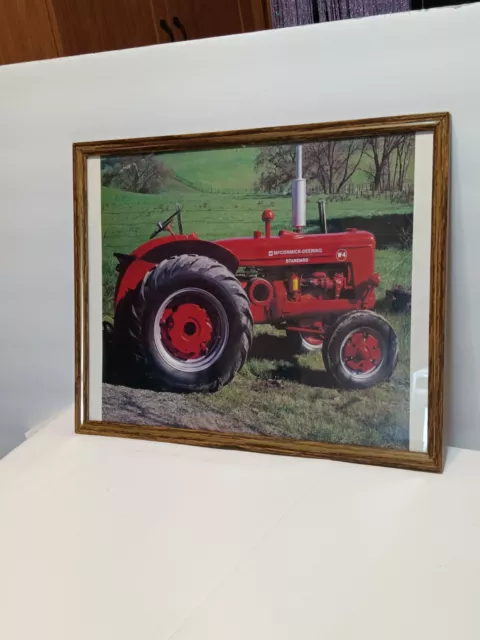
x=437, y=124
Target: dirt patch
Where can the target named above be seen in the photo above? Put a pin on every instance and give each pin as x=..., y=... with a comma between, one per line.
x=148, y=407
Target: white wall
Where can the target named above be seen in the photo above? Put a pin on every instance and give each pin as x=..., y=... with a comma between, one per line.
x=398, y=64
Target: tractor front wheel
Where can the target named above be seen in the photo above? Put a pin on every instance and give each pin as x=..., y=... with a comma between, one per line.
x=361, y=350
x=191, y=324
x=304, y=342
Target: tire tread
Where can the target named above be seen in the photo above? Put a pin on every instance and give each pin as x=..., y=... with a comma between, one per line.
x=165, y=271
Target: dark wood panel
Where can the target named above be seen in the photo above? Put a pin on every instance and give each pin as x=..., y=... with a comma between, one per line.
x=217, y=19
x=26, y=31
x=103, y=25
x=256, y=14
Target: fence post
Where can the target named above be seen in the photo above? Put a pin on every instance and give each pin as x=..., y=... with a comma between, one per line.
x=322, y=216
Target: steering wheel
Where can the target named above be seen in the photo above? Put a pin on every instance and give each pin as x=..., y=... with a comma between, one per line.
x=164, y=226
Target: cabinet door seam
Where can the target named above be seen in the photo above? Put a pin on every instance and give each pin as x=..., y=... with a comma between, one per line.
x=54, y=27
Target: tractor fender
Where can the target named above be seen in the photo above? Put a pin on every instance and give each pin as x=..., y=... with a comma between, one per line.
x=199, y=247
x=133, y=267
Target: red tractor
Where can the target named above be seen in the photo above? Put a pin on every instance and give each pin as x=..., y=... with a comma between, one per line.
x=186, y=307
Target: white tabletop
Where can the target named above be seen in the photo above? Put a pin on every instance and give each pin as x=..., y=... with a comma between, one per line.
x=105, y=538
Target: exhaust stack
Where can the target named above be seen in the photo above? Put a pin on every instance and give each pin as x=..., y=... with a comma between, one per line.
x=299, y=194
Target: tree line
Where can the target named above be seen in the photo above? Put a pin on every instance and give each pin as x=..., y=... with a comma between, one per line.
x=327, y=164
x=384, y=161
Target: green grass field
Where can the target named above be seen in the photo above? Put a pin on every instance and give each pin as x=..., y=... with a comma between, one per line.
x=224, y=170
x=290, y=393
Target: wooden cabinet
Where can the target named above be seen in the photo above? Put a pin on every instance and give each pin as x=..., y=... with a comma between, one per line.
x=37, y=29
x=103, y=25
x=210, y=18
x=25, y=31
x=206, y=18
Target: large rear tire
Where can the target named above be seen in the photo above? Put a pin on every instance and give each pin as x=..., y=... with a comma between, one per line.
x=190, y=325
x=361, y=350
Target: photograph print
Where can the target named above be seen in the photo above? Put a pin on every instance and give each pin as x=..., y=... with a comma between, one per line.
x=276, y=290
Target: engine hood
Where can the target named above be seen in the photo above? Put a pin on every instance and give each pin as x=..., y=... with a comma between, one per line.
x=297, y=248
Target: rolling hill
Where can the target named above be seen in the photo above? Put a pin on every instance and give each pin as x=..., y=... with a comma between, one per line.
x=226, y=170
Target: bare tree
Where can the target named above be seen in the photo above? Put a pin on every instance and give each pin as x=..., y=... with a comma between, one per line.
x=140, y=174
x=403, y=159
x=333, y=162
x=330, y=163
x=276, y=165
x=379, y=150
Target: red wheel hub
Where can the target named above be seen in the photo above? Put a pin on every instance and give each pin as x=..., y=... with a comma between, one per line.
x=362, y=352
x=186, y=331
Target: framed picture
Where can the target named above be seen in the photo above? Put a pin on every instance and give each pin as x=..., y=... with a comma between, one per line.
x=274, y=290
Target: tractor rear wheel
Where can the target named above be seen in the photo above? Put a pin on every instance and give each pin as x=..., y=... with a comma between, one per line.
x=191, y=325
x=361, y=350
x=304, y=342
